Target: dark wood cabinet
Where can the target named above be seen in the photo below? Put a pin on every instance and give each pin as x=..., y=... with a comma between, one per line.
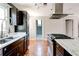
x=26, y=44
x=13, y=14
x=20, y=17
x=16, y=16
x=13, y=52
x=14, y=49
x=58, y=50
x=21, y=48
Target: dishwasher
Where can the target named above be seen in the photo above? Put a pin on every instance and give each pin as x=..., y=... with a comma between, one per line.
x=51, y=37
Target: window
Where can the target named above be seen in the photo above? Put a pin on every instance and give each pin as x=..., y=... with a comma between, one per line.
x=39, y=22
x=3, y=18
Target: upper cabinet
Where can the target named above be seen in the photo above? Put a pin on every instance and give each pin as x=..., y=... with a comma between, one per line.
x=16, y=16
x=20, y=17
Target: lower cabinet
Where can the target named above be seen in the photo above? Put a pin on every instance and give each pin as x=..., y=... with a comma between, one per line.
x=12, y=53
x=27, y=44
x=60, y=51
x=15, y=49
x=20, y=49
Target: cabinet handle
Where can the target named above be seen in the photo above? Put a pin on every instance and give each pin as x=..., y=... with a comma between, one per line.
x=5, y=49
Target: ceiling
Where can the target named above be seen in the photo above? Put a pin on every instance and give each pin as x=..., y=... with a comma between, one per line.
x=35, y=10
x=45, y=10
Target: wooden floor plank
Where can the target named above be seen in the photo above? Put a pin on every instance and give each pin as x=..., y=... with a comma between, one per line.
x=37, y=48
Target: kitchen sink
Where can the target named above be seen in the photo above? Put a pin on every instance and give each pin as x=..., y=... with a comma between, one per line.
x=5, y=40
x=11, y=38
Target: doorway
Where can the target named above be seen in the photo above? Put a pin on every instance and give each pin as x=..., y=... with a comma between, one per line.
x=69, y=27
x=39, y=28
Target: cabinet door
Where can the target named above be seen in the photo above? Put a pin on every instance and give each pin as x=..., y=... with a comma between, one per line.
x=13, y=52
x=24, y=45
x=10, y=47
x=13, y=14
x=14, y=49
x=59, y=50
x=27, y=44
x=58, y=53
x=13, y=17
x=20, y=49
x=19, y=18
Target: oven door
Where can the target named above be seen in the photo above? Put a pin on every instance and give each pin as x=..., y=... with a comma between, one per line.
x=1, y=54
x=50, y=46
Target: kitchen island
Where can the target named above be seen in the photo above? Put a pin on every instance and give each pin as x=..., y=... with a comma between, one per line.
x=71, y=45
x=54, y=48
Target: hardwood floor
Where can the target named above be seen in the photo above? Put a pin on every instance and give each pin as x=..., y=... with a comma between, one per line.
x=37, y=48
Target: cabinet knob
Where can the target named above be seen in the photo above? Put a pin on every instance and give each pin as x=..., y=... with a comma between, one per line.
x=5, y=49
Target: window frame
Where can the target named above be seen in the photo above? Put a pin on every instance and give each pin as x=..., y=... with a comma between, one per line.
x=3, y=23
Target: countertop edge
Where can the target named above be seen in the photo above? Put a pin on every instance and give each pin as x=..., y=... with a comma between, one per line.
x=65, y=47
x=10, y=42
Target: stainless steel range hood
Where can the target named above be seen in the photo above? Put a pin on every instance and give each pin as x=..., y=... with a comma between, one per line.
x=58, y=11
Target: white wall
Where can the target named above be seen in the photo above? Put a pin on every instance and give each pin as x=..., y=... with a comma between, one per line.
x=73, y=9
x=69, y=27
x=75, y=24
x=57, y=25
x=49, y=26
x=8, y=26
x=32, y=27
x=54, y=26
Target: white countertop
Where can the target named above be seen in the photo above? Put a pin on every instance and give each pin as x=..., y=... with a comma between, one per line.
x=18, y=35
x=70, y=45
